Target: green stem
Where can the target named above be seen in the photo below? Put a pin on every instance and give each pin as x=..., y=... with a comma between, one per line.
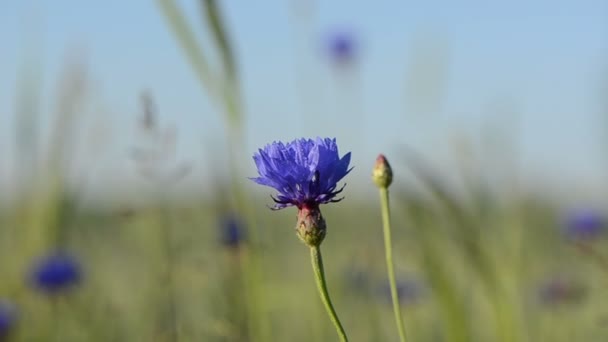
x=169, y=275
x=55, y=321
x=187, y=39
x=317, y=266
x=258, y=323
x=386, y=225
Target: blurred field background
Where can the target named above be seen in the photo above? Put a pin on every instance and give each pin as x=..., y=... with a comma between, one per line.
x=126, y=136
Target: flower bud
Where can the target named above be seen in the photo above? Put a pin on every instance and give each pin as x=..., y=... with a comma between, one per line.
x=311, y=227
x=382, y=173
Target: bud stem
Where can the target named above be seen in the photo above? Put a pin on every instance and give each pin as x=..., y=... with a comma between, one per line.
x=386, y=224
x=317, y=266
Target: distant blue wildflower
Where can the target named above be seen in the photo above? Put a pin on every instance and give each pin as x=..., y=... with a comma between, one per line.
x=232, y=231
x=8, y=318
x=357, y=279
x=55, y=273
x=409, y=291
x=342, y=47
x=585, y=224
x=561, y=290
x=305, y=172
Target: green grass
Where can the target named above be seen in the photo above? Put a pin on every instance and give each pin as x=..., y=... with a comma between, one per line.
x=481, y=256
x=122, y=295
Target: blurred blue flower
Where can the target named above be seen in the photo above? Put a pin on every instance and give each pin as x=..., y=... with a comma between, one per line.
x=305, y=172
x=357, y=279
x=585, y=224
x=341, y=47
x=232, y=231
x=55, y=273
x=8, y=317
x=559, y=290
x=409, y=291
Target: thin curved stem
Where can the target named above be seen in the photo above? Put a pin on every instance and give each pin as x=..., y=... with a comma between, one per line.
x=386, y=225
x=317, y=266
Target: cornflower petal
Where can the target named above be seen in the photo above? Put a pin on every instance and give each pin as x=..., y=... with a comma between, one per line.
x=305, y=172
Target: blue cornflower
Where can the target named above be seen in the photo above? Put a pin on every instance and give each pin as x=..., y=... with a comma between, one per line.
x=409, y=291
x=55, y=273
x=305, y=172
x=585, y=224
x=232, y=231
x=8, y=318
x=560, y=290
x=341, y=47
x=357, y=279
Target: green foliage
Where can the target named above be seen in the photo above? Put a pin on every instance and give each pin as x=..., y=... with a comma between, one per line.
x=157, y=272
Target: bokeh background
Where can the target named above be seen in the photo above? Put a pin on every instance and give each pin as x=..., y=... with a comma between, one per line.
x=126, y=136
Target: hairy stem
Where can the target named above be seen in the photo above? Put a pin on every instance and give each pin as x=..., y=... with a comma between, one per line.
x=317, y=266
x=386, y=225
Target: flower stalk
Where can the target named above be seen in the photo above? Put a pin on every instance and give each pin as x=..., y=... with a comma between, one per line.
x=317, y=266
x=382, y=176
x=311, y=229
x=305, y=173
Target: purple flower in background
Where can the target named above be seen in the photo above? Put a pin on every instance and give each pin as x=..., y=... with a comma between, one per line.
x=8, y=318
x=305, y=172
x=585, y=224
x=357, y=279
x=409, y=291
x=341, y=47
x=560, y=290
x=232, y=231
x=55, y=273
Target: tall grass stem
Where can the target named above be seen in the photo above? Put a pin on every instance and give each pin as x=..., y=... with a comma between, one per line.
x=170, y=304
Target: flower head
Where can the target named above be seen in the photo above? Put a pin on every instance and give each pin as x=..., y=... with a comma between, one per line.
x=232, y=231
x=409, y=291
x=561, y=290
x=357, y=279
x=8, y=318
x=585, y=224
x=305, y=172
x=342, y=47
x=382, y=173
x=55, y=273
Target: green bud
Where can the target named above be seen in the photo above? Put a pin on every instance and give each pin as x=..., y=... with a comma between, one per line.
x=382, y=173
x=311, y=226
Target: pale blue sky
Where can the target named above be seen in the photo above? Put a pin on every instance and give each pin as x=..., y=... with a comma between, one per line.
x=533, y=71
